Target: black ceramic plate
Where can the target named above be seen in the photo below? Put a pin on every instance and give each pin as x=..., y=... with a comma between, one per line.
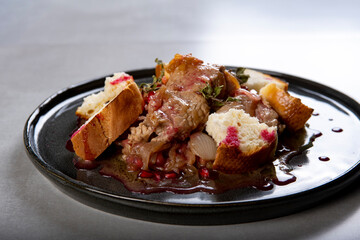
x=48, y=127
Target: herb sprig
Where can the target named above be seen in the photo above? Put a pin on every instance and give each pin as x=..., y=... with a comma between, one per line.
x=241, y=76
x=155, y=85
x=211, y=95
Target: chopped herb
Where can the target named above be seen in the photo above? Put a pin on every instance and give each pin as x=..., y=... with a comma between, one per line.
x=155, y=85
x=211, y=95
x=209, y=92
x=231, y=99
x=241, y=76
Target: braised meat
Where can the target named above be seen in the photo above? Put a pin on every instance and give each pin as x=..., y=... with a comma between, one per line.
x=176, y=110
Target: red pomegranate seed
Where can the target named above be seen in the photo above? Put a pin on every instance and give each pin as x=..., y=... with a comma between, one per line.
x=148, y=96
x=145, y=174
x=204, y=173
x=157, y=176
x=170, y=175
x=160, y=160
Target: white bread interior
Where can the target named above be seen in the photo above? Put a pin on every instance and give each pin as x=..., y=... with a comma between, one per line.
x=253, y=150
x=96, y=101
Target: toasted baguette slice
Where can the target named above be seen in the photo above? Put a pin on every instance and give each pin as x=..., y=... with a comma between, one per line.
x=292, y=111
x=244, y=143
x=109, y=122
x=93, y=103
x=258, y=80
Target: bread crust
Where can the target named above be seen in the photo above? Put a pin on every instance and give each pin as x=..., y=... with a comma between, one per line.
x=292, y=111
x=230, y=159
x=109, y=123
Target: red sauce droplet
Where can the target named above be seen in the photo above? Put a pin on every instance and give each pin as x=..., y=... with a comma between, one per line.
x=324, y=158
x=315, y=135
x=232, y=138
x=337, y=129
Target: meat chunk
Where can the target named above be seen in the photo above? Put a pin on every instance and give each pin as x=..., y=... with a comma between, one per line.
x=191, y=74
x=176, y=110
x=179, y=114
x=267, y=115
x=253, y=105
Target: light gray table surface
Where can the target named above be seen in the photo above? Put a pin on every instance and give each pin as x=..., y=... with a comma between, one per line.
x=46, y=46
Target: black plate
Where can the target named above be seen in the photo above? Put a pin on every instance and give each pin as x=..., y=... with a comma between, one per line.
x=48, y=127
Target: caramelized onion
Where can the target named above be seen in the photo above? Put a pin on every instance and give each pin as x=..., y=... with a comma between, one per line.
x=203, y=146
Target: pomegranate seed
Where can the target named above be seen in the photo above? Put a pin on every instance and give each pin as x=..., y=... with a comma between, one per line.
x=204, y=173
x=157, y=176
x=160, y=160
x=145, y=174
x=149, y=96
x=170, y=175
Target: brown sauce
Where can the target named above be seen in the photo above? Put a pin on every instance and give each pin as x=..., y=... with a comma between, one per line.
x=192, y=180
x=324, y=158
x=337, y=129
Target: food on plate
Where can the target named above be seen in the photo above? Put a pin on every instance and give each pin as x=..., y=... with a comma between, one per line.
x=258, y=80
x=243, y=142
x=108, y=114
x=292, y=111
x=193, y=119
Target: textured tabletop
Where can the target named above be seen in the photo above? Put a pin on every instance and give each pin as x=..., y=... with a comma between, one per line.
x=46, y=46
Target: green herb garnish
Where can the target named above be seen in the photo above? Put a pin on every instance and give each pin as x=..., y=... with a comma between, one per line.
x=210, y=92
x=241, y=76
x=155, y=85
x=231, y=99
x=211, y=95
